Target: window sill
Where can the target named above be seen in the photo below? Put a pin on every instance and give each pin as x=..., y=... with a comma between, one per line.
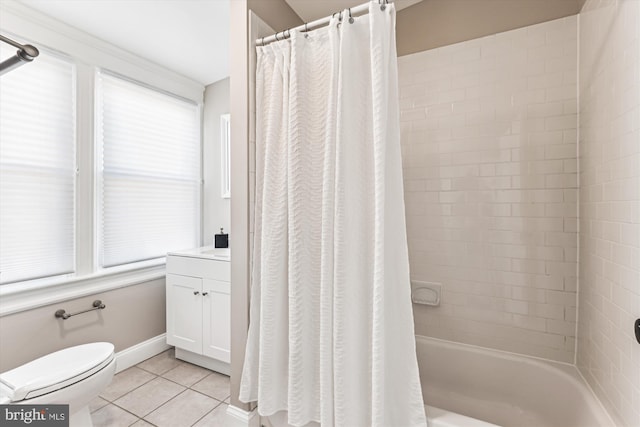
x=23, y=296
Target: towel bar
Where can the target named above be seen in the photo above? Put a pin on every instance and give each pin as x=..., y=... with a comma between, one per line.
x=62, y=314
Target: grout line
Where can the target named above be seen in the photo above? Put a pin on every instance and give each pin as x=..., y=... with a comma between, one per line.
x=162, y=373
x=578, y=216
x=206, y=395
x=185, y=386
x=156, y=376
x=119, y=407
x=208, y=412
x=133, y=389
x=162, y=404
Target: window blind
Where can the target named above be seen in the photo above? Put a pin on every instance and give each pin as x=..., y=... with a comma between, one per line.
x=37, y=169
x=149, y=192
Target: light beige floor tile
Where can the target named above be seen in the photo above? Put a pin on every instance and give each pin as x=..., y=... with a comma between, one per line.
x=215, y=418
x=112, y=416
x=183, y=410
x=141, y=423
x=186, y=374
x=126, y=381
x=215, y=385
x=160, y=363
x=150, y=396
x=97, y=403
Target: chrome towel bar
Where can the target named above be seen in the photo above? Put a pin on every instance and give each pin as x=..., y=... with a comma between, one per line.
x=62, y=314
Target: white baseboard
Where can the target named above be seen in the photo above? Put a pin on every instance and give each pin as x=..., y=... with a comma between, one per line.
x=204, y=361
x=135, y=354
x=237, y=417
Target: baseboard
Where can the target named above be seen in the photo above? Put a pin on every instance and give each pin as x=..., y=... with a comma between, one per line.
x=237, y=417
x=204, y=361
x=137, y=353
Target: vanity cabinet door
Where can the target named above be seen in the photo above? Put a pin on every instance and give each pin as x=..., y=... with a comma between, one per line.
x=216, y=306
x=184, y=312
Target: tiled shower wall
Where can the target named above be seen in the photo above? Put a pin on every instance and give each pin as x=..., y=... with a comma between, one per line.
x=609, y=295
x=489, y=159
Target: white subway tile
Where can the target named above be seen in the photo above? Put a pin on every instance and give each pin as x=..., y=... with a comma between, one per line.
x=568, y=121
x=498, y=130
x=412, y=115
x=565, y=180
x=545, y=81
x=529, y=322
x=561, y=327
x=545, y=110
x=560, y=151
x=564, y=93
x=528, y=209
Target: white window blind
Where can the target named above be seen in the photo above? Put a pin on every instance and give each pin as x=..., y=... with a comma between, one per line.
x=149, y=190
x=37, y=169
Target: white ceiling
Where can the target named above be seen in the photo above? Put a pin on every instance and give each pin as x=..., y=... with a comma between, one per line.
x=310, y=10
x=190, y=37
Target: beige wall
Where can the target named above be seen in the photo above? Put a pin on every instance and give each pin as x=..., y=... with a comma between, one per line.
x=276, y=13
x=216, y=210
x=435, y=23
x=239, y=237
x=609, y=293
x=132, y=315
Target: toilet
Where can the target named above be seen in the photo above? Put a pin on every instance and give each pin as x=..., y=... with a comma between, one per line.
x=73, y=376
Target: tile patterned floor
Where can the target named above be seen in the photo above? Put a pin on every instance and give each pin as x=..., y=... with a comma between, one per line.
x=164, y=392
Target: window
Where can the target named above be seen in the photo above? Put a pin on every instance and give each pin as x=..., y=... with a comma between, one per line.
x=37, y=169
x=149, y=172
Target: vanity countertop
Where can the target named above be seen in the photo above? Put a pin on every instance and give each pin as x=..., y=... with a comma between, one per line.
x=206, y=252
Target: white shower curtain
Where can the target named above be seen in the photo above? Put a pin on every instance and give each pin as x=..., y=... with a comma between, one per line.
x=331, y=335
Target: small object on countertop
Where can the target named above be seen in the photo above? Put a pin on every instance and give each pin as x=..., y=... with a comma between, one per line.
x=222, y=240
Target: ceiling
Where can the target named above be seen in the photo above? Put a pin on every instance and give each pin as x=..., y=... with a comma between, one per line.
x=310, y=10
x=190, y=37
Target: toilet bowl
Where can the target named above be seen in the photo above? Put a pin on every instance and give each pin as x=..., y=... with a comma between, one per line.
x=73, y=376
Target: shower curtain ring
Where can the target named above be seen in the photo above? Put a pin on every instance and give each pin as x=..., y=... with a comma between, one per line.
x=351, y=20
x=383, y=6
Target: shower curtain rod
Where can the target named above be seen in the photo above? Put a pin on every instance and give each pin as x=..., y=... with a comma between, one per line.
x=25, y=53
x=307, y=26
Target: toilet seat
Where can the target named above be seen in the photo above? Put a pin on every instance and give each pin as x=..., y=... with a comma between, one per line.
x=56, y=370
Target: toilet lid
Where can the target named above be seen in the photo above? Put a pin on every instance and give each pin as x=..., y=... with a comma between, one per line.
x=56, y=370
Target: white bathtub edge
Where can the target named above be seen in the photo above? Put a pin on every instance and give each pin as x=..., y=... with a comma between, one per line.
x=437, y=417
x=569, y=371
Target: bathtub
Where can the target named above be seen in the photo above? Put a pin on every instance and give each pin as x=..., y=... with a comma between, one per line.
x=505, y=389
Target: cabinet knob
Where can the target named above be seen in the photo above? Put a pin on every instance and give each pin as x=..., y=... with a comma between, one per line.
x=196, y=292
x=204, y=294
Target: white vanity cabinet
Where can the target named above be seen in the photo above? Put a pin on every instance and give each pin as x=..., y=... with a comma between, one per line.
x=199, y=307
